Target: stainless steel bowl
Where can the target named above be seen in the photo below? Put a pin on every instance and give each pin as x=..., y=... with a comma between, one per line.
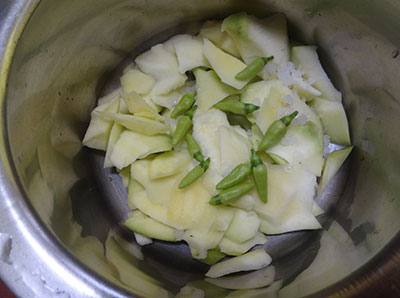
x=58, y=206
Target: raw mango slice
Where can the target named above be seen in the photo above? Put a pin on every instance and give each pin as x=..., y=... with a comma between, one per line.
x=210, y=90
x=212, y=31
x=257, y=279
x=225, y=65
x=246, y=202
x=202, y=240
x=137, y=81
x=99, y=129
x=163, y=66
x=302, y=145
x=184, y=201
x=253, y=260
x=168, y=163
x=158, y=190
x=256, y=38
x=142, y=224
x=137, y=124
x=334, y=120
x=334, y=161
x=131, y=146
x=206, y=132
x=142, y=240
x=114, y=136
x=137, y=106
x=235, y=148
x=306, y=58
x=236, y=249
x=213, y=256
x=288, y=208
x=189, y=51
x=244, y=226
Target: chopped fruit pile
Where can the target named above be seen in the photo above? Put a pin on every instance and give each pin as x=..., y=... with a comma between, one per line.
x=220, y=138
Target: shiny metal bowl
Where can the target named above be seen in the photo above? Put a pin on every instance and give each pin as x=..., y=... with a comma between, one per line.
x=59, y=232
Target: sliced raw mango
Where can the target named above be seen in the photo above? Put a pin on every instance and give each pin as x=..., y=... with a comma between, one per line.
x=202, y=240
x=302, y=145
x=306, y=58
x=236, y=249
x=206, y=132
x=140, y=200
x=131, y=146
x=245, y=202
x=257, y=279
x=244, y=226
x=138, y=106
x=334, y=120
x=235, y=149
x=213, y=256
x=189, y=51
x=168, y=163
x=137, y=124
x=99, y=129
x=253, y=260
x=125, y=174
x=212, y=31
x=184, y=201
x=256, y=93
x=288, y=208
x=305, y=89
x=114, y=136
x=225, y=65
x=158, y=190
x=163, y=66
x=145, y=225
x=170, y=99
x=103, y=102
x=256, y=38
x=334, y=161
x=210, y=90
x=142, y=240
x=137, y=81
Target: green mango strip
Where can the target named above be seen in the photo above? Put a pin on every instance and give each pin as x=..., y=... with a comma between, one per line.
x=183, y=126
x=237, y=175
x=237, y=107
x=184, y=104
x=194, y=174
x=233, y=193
x=260, y=176
x=276, y=131
x=194, y=148
x=251, y=70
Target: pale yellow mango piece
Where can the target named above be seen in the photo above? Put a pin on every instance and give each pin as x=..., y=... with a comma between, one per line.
x=210, y=90
x=233, y=248
x=99, y=129
x=212, y=30
x=131, y=146
x=288, y=208
x=133, y=80
x=145, y=225
x=137, y=124
x=334, y=120
x=225, y=65
x=306, y=59
x=138, y=106
x=244, y=226
x=158, y=190
x=169, y=163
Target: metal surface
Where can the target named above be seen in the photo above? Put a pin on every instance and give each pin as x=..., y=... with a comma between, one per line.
x=58, y=205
